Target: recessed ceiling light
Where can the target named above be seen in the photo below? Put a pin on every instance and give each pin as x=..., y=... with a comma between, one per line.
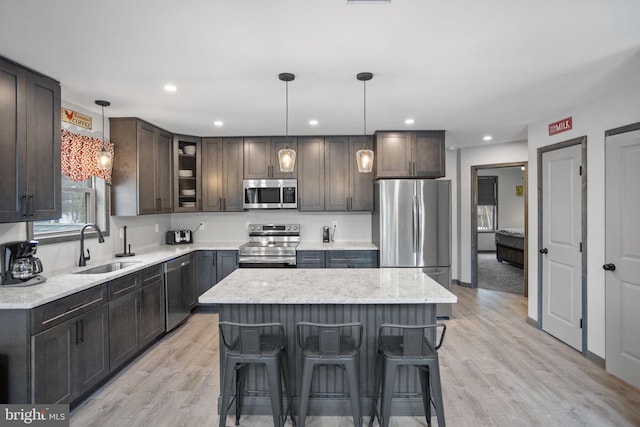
x=451, y=148
x=487, y=138
x=313, y=122
x=218, y=123
x=409, y=121
x=170, y=88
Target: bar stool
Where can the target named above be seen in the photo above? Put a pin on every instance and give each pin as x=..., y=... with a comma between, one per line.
x=328, y=347
x=411, y=347
x=250, y=346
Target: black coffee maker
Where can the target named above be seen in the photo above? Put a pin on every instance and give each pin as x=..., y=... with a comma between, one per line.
x=19, y=265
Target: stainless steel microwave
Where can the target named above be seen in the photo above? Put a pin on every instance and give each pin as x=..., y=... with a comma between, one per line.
x=270, y=193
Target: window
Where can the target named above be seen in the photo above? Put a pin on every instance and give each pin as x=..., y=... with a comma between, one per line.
x=82, y=202
x=487, y=203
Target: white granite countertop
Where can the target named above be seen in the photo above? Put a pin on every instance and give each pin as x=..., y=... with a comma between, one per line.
x=328, y=286
x=337, y=246
x=61, y=285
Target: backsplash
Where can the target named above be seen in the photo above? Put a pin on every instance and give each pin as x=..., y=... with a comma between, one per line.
x=218, y=227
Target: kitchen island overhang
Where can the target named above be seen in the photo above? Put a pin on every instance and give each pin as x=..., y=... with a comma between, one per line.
x=369, y=296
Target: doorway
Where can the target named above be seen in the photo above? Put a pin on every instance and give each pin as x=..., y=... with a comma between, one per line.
x=488, y=217
x=562, y=187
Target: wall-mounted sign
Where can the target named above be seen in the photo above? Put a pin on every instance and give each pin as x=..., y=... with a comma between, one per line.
x=75, y=118
x=560, y=126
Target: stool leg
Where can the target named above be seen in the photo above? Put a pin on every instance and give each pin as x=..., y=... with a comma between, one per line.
x=241, y=373
x=305, y=389
x=388, y=380
x=376, y=387
x=426, y=393
x=351, y=367
x=274, y=372
x=436, y=388
x=287, y=384
x=227, y=385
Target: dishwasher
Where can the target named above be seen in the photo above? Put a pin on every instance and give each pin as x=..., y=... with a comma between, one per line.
x=180, y=291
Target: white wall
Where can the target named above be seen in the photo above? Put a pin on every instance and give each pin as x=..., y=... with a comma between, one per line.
x=478, y=156
x=617, y=108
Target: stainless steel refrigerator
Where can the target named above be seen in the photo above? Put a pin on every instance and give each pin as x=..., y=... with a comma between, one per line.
x=411, y=226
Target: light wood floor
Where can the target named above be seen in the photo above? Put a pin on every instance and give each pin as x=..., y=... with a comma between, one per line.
x=496, y=370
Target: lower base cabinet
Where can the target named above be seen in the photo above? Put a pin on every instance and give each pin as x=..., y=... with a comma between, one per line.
x=227, y=263
x=151, y=324
x=337, y=259
x=71, y=358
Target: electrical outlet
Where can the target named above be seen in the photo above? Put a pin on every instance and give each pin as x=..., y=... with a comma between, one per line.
x=157, y=228
x=335, y=224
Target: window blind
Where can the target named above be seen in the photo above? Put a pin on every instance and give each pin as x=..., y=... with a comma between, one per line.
x=487, y=191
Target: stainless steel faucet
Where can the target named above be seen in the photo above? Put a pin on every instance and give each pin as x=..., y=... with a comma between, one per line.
x=83, y=259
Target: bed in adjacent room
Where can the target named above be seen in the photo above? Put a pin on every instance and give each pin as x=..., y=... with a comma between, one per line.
x=510, y=246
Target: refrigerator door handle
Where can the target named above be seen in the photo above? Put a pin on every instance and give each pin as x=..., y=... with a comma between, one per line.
x=415, y=224
x=419, y=226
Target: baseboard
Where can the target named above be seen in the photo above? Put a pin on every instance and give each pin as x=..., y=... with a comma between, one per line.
x=596, y=359
x=459, y=283
x=533, y=323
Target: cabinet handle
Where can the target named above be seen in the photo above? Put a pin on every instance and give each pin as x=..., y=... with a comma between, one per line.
x=77, y=334
x=82, y=331
x=224, y=201
x=125, y=289
x=24, y=205
x=220, y=203
x=31, y=204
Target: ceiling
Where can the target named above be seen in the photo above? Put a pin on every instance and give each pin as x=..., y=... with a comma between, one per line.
x=471, y=67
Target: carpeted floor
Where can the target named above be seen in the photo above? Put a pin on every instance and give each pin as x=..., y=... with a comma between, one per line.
x=499, y=276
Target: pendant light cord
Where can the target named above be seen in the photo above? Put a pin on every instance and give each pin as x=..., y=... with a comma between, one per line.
x=286, y=121
x=103, y=147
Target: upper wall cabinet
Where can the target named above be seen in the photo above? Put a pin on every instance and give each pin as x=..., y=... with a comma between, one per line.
x=311, y=186
x=29, y=145
x=222, y=174
x=142, y=177
x=261, y=157
x=409, y=154
x=346, y=189
x=187, y=178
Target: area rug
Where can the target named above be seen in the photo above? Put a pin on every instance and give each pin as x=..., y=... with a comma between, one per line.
x=499, y=276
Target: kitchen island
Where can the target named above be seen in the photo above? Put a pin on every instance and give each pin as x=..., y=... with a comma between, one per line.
x=369, y=296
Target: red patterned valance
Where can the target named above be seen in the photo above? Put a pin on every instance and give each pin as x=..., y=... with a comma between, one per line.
x=79, y=156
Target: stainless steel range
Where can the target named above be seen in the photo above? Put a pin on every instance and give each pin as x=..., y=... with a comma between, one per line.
x=270, y=246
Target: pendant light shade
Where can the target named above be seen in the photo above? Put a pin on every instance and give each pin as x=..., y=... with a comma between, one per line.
x=364, y=156
x=287, y=156
x=103, y=157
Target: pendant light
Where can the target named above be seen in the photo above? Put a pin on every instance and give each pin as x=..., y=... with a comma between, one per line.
x=103, y=157
x=287, y=156
x=364, y=156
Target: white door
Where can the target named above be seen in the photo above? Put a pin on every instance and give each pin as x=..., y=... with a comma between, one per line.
x=561, y=244
x=622, y=251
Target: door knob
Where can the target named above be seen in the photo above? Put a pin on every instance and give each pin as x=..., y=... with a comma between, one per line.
x=543, y=250
x=609, y=267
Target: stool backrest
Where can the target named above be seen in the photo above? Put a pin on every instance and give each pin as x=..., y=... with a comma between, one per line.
x=329, y=336
x=249, y=337
x=415, y=342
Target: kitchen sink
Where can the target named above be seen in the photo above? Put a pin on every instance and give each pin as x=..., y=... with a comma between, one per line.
x=108, y=268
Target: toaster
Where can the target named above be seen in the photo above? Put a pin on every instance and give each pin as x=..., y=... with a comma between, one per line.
x=179, y=237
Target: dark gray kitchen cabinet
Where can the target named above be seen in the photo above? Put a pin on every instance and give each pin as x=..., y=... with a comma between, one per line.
x=345, y=188
x=151, y=305
x=261, y=157
x=142, y=177
x=418, y=154
x=310, y=259
x=226, y=263
x=206, y=272
x=29, y=145
x=222, y=161
x=187, y=190
x=311, y=186
x=123, y=319
x=352, y=259
x=70, y=358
